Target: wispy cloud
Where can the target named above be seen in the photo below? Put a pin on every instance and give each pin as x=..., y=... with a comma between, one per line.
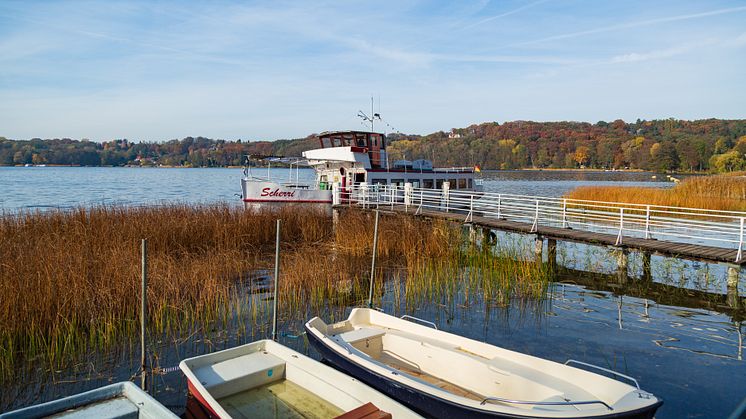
x=634, y=24
x=504, y=14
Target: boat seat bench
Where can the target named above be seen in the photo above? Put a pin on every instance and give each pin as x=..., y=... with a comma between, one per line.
x=228, y=377
x=360, y=334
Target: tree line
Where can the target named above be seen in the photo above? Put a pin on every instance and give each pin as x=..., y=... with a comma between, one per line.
x=659, y=145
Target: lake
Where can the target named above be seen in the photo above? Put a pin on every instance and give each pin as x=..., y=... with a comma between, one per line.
x=680, y=334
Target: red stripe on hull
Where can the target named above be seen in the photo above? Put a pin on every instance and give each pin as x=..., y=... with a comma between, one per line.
x=298, y=201
x=196, y=394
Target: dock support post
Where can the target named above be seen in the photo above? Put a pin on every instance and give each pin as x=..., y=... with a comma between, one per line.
x=552, y=254
x=407, y=196
x=373, y=262
x=277, y=282
x=446, y=193
x=621, y=260
x=734, y=300
x=487, y=237
x=143, y=310
x=539, y=248
x=336, y=195
x=472, y=234
x=647, y=270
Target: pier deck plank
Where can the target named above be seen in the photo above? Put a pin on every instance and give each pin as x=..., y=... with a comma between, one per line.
x=660, y=247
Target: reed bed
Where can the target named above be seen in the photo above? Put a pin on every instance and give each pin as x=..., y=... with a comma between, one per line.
x=721, y=192
x=71, y=279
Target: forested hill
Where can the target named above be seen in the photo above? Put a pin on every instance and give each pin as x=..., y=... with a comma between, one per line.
x=660, y=145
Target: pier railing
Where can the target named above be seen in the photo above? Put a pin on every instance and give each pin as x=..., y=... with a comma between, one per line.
x=676, y=224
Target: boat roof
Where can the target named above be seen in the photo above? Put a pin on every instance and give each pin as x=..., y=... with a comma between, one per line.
x=325, y=133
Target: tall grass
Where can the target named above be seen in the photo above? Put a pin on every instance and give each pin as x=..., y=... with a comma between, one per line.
x=69, y=280
x=721, y=192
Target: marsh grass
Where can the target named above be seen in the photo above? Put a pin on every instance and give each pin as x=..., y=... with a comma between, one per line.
x=721, y=192
x=70, y=280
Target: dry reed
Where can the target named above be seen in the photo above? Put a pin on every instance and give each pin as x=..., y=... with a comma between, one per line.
x=71, y=279
x=720, y=192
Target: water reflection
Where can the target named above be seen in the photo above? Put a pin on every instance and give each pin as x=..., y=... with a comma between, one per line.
x=684, y=344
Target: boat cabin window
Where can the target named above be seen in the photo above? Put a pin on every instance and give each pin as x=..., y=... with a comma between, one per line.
x=397, y=182
x=415, y=183
x=452, y=183
x=359, y=177
x=427, y=183
x=470, y=184
x=378, y=181
x=439, y=183
x=326, y=142
x=337, y=142
x=462, y=183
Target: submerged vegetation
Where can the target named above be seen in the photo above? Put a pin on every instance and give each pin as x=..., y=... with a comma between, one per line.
x=721, y=192
x=70, y=280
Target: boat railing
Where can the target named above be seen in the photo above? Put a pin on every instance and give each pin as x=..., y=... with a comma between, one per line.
x=545, y=403
x=572, y=361
x=427, y=322
x=718, y=228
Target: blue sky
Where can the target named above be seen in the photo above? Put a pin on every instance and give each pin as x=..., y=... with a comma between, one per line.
x=266, y=70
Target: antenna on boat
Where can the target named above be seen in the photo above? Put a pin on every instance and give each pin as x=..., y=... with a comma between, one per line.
x=371, y=118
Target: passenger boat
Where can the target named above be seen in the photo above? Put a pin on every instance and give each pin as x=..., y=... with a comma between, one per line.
x=266, y=379
x=349, y=158
x=444, y=375
x=121, y=400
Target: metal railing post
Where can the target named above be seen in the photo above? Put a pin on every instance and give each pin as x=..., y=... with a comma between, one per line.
x=647, y=222
x=564, y=213
x=470, y=216
x=739, y=255
x=499, y=205
x=621, y=227
x=277, y=282
x=144, y=309
x=373, y=262
x=535, y=226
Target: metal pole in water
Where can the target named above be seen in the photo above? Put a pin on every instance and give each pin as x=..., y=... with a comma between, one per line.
x=277, y=283
x=373, y=263
x=143, y=309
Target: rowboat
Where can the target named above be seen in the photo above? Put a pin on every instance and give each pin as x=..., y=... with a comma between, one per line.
x=266, y=379
x=444, y=375
x=121, y=400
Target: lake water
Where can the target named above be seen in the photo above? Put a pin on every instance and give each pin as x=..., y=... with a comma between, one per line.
x=680, y=335
x=39, y=188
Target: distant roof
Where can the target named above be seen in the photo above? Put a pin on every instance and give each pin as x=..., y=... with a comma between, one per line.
x=325, y=133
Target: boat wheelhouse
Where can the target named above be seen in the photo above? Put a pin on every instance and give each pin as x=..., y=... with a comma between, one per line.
x=350, y=158
x=345, y=160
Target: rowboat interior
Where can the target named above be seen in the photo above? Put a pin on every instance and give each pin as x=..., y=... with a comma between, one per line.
x=265, y=379
x=482, y=374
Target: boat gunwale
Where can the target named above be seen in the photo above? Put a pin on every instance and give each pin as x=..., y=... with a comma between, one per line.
x=403, y=379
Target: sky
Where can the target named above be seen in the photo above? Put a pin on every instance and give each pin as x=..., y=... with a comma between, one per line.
x=155, y=71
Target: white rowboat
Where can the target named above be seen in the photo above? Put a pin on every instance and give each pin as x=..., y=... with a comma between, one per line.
x=121, y=400
x=445, y=375
x=266, y=379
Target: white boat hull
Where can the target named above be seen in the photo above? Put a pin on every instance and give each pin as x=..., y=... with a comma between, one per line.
x=255, y=191
x=442, y=374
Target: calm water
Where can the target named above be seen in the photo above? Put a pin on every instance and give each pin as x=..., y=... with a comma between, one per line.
x=680, y=335
x=64, y=187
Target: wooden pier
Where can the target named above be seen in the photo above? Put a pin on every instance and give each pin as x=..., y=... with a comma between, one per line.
x=689, y=233
x=653, y=246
